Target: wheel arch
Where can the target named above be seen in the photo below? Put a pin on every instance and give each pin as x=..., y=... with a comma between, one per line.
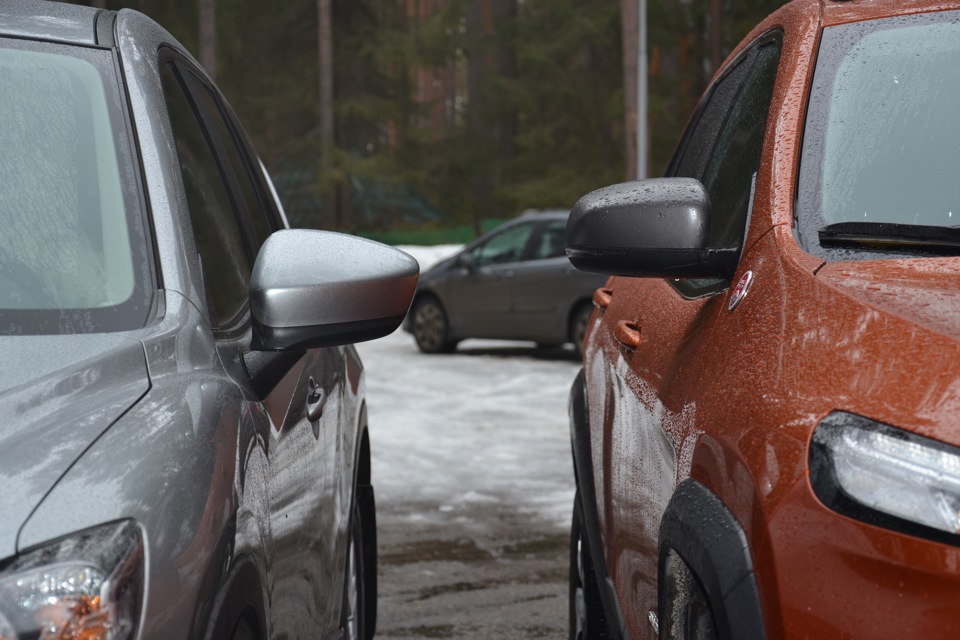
x=705, y=534
x=242, y=598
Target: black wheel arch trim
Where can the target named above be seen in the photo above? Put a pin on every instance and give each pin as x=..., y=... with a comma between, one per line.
x=367, y=506
x=583, y=472
x=699, y=527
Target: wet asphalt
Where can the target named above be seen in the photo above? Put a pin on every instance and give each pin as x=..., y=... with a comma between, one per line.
x=471, y=548
x=453, y=582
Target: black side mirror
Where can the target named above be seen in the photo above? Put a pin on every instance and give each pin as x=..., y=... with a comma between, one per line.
x=647, y=228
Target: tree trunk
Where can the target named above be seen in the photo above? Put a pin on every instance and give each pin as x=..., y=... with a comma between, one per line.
x=630, y=24
x=476, y=68
x=208, y=37
x=716, y=35
x=505, y=13
x=325, y=54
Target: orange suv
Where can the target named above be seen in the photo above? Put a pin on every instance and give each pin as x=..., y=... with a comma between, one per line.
x=766, y=430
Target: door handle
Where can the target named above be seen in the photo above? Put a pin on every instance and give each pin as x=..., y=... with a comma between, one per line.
x=316, y=399
x=627, y=333
x=602, y=297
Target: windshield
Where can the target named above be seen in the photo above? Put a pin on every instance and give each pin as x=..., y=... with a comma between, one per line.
x=72, y=250
x=882, y=138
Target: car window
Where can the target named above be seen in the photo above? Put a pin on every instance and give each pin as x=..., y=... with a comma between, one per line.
x=697, y=143
x=73, y=251
x=722, y=148
x=505, y=246
x=235, y=162
x=882, y=133
x=223, y=254
x=550, y=244
x=736, y=156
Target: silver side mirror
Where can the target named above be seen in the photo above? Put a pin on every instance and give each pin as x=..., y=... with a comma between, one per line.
x=319, y=289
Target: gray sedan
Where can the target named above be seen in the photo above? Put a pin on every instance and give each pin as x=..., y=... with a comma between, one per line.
x=514, y=283
x=185, y=450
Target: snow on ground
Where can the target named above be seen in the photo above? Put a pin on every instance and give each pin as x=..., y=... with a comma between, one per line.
x=456, y=436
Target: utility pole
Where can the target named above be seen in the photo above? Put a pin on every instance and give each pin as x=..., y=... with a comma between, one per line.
x=642, y=67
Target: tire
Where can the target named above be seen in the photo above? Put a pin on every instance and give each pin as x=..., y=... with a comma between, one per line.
x=430, y=327
x=353, y=615
x=587, y=619
x=579, y=321
x=686, y=611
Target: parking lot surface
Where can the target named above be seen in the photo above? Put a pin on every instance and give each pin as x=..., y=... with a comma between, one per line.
x=474, y=482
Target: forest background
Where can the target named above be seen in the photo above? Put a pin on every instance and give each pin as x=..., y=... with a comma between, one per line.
x=431, y=120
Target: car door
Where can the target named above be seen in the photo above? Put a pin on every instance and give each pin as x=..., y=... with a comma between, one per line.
x=545, y=285
x=291, y=496
x=661, y=330
x=481, y=300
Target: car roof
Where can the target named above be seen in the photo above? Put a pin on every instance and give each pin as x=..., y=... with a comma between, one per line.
x=842, y=11
x=56, y=21
x=547, y=214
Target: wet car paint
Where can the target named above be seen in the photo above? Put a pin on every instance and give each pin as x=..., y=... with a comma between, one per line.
x=733, y=397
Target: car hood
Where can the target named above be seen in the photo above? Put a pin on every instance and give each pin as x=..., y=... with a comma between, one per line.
x=923, y=291
x=59, y=393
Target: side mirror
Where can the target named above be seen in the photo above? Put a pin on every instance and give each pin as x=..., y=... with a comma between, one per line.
x=320, y=289
x=647, y=228
x=465, y=262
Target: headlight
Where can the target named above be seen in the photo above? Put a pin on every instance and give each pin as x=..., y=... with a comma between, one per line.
x=85, y=587
x=887, y=477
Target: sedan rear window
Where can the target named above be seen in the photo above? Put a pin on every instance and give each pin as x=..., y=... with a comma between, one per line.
x=882, y=142
x=73, y=249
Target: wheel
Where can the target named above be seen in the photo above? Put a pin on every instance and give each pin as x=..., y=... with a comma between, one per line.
x=430, y=327
x=353, y=616
x=686, y=613
x=587, y=620
x=579, y=322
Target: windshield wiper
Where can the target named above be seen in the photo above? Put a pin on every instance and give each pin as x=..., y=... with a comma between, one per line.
x=891, y=235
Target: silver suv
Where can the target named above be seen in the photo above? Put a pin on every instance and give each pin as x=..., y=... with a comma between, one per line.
x=184, y=452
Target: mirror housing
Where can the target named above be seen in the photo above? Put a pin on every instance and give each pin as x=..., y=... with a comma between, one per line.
x=647, y=228
x=465, y=262
x=313, y=289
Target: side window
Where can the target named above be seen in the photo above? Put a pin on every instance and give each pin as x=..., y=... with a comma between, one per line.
x=722, y=150
x=223, y=253
x=723, y=145
x=236, y=164
x=551, y=241
x=736, y=156
x=506, y=246
x=697, y=143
